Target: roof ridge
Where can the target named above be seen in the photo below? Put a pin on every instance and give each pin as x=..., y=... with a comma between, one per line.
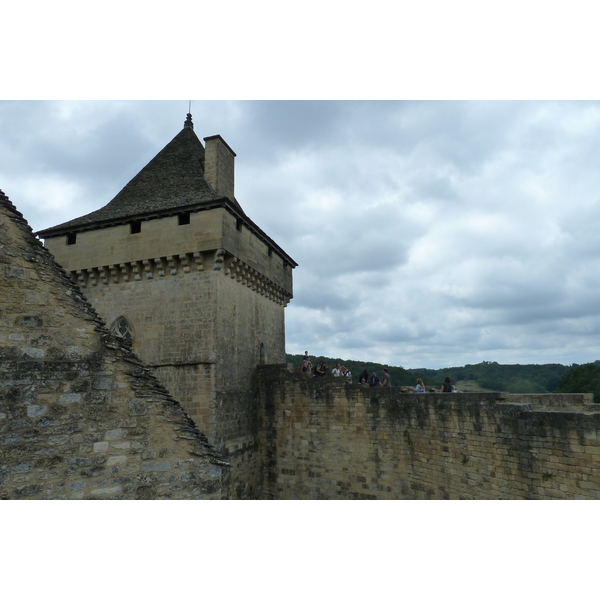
x=171, y=181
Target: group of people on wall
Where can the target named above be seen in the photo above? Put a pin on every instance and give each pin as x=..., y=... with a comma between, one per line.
x=322, y=370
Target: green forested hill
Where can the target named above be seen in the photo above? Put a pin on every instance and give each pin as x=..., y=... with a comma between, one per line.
x=582, y=378
x=516, y=379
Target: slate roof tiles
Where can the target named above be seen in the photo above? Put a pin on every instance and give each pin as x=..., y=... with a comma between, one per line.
x=171, y=182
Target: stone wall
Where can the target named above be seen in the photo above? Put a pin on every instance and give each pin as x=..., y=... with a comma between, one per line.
x=172, y=320
x=80, y=415
x=219, y=165
x=205, y=301
x=115, y=254
x=328, y=439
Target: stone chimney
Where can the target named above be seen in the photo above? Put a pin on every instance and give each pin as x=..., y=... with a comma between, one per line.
x=219, y=165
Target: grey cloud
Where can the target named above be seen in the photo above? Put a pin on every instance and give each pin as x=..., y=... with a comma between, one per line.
x=427, y=233
x=321, y=299
x=272, y=128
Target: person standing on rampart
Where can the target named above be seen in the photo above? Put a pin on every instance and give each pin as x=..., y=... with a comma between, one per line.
x=387, y=382
x=306, y=367
x=374, y=380
x=321, y=370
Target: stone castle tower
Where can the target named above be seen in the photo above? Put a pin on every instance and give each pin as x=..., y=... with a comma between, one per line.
x=174, y=265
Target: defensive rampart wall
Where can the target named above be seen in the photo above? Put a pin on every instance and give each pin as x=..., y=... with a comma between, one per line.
x=325, y=438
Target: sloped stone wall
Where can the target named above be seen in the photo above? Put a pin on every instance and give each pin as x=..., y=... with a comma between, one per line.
x=327, y=439
x=80, y=415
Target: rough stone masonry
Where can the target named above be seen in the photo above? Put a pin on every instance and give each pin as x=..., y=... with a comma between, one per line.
x=80, y=415
x=329, y=439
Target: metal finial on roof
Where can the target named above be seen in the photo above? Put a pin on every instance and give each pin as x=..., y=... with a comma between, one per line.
x=188, y=122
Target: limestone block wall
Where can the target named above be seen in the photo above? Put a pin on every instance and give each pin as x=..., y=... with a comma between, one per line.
x=157, y=238
x=162, y=245
x=254, y=254
x=219, y=165
x=80, y=416
x=173, y=319
x=327, y=439
x=203, y=333
x=249, y=329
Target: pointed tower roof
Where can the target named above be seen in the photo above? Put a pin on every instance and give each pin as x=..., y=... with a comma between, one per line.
x=173, y=181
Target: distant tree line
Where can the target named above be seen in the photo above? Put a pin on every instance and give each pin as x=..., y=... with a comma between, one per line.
x=489, y=376
x=582, y=378
x=514, y=379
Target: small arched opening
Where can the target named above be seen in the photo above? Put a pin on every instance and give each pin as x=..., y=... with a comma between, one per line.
x=123, y=329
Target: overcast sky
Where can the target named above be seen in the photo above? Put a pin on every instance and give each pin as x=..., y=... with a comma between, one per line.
x=427, y=233
x=434, y=233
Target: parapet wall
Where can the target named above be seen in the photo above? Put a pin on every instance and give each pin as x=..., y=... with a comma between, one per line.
x=328, y=439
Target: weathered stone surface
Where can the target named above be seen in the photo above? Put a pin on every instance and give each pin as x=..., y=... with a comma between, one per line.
x=76, y=423
x=326, y=439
